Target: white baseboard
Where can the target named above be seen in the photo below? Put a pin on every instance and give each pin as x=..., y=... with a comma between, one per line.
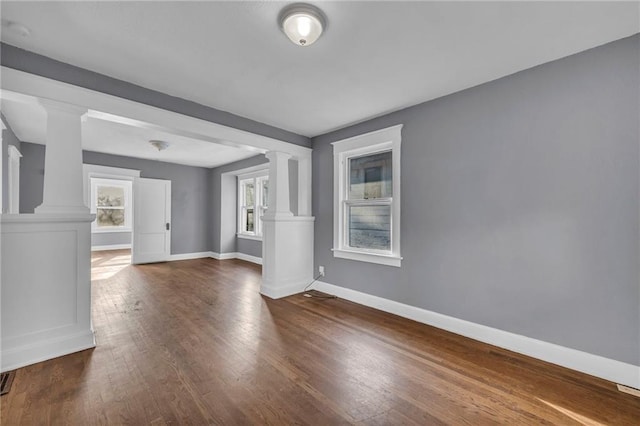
x=225, y=256
x=43, y=350
x=283, y=291
x=111, y=247
x=188, y=256
x=236, y=255
x=595, y=365
x=249, y=258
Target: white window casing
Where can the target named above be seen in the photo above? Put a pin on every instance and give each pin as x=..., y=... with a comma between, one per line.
x=258, y=207
x=377, y=142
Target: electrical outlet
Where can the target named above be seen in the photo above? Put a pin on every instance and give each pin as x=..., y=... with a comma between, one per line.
x=321, y=270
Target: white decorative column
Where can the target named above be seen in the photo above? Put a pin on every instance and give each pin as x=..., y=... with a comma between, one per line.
x=279, y=204
x=63, y=186
x=304, y=186
x=287, y=240
x=46, y=310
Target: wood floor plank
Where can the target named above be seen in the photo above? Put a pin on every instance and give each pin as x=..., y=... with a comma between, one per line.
x=193, y=342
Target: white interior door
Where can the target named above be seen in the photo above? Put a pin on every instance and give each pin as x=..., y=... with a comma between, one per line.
x=151, y=220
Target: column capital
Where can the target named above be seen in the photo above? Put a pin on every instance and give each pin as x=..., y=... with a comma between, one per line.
x=277, y=155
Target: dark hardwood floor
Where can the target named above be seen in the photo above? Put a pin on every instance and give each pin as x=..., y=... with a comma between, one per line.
x=193, y=342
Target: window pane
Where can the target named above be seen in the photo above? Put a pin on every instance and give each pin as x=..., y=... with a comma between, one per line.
x=371, y=176
x=265, y=191
x=248, y=194
x=249, y=221
x=370, y=227
x=110, y=217
x=109, y=196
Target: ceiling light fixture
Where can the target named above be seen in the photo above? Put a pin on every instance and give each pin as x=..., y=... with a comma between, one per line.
x=302, y=23
x=159, y=145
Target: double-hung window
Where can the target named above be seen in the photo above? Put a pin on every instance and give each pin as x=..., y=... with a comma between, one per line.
x=252, y=204
x=367, y=197
x=111, y=203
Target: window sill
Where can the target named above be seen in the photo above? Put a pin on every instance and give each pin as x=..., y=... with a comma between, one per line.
x=109, y=231
x=249, y=237
x=381, y=259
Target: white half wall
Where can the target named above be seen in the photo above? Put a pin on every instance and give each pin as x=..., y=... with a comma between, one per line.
x=46, y=310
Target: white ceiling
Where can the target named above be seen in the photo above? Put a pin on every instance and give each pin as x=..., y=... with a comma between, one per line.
x=29, y=122
x=375, y=57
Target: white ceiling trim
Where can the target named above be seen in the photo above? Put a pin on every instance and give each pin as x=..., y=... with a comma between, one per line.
x=26, y=87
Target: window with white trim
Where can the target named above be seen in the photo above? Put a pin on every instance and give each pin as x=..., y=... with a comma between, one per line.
x=252, y=203
x=111, y=203
x=367, y=197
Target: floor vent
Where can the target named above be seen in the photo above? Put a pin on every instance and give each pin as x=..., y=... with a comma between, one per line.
x=5, y=381
x=629, y=390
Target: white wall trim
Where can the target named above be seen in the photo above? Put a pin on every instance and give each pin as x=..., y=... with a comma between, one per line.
x=236, y=255
x=108, y=172
x=388, y=139
x=249, y=258
x=260, y=168
x=188, y=256
x=224, y=256
x=24, y=87
x=283, y=289
x=249, y=236
x=111, y=247
x=595, y=365
x=45, y=350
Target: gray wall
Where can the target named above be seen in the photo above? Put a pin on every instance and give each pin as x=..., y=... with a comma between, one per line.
x=189, y=192
x=8, y=138
x=250, y=247
x=519, y=204
x=31, y=176
x=23, y=60
x=110, y=238
x=224, y=205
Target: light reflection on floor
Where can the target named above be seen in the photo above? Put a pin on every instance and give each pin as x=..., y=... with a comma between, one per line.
x=102, y=269
x=573, y=415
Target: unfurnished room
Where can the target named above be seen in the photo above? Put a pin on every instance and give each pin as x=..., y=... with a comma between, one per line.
x=320, y=213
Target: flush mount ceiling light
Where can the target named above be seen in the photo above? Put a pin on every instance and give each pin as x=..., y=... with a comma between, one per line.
x=159, y=145
x=302, y=23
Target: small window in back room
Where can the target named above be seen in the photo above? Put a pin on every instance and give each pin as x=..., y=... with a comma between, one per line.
x=252, y=204
x=111, y=203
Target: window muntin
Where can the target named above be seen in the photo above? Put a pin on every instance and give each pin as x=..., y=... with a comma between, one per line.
x=252, y=196
x=111, y=203
x=367, y=197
